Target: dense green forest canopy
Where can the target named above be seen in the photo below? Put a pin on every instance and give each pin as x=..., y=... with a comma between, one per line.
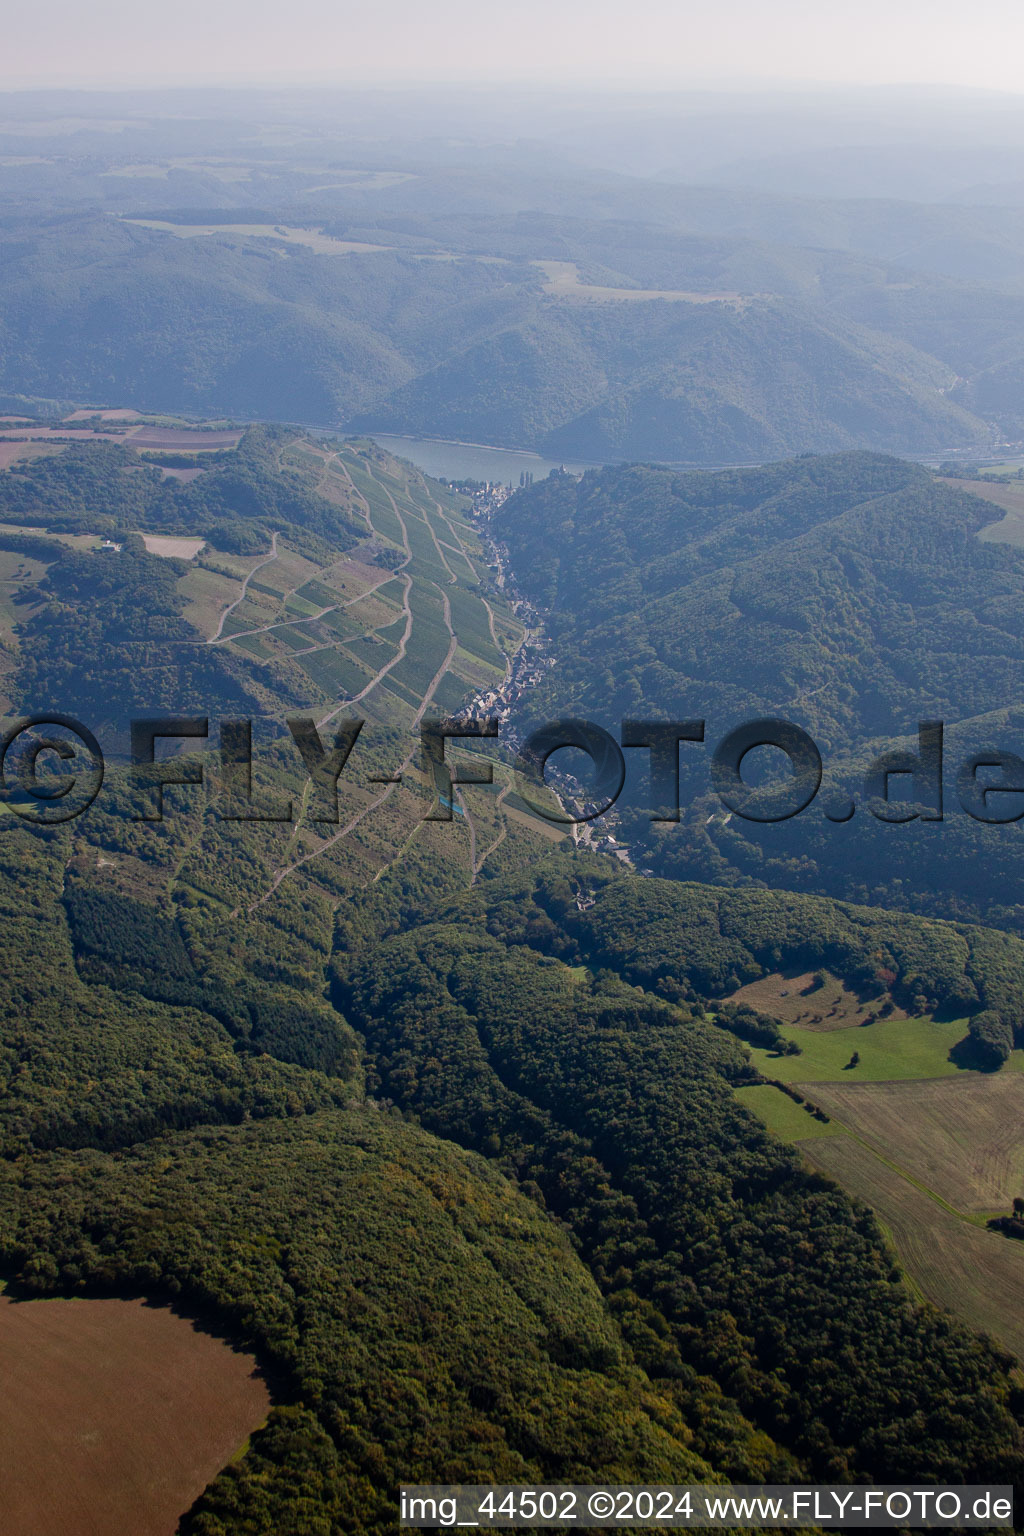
x=450, y=1123
x=694, y=1291
x=850, y=594
x=438, y=1119
x=110, y=488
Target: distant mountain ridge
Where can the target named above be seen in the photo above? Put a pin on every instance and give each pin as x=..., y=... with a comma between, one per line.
x=96, y=309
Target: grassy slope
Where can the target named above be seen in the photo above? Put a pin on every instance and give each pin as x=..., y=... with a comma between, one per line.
x=890, y=1049
x=924, y=1158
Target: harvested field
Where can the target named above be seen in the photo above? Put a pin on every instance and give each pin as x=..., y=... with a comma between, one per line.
x=115, y=1416
x=792, y=997
x=183, y=437
x=562, y=280
x=14, y=453
x=186, y=476
x=976, y=1275
x=1009, y=497
x=963, y=1137
x=172, y=547
x=103, y=414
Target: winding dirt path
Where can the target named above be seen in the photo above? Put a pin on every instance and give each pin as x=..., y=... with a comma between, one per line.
x=453, y=579
x=350, y=826
x=479, y=864
x=467, y=818
x=245, y=587
x=406, y=610
x=310, y=618
x=442, y=514
x=453, y=646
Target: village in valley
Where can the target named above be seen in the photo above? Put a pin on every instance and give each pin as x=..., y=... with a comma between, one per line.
x=525, y=670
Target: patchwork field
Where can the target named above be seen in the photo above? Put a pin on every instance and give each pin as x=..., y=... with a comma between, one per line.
x=403, y=621
x=115, y=1416
x=933, y=1149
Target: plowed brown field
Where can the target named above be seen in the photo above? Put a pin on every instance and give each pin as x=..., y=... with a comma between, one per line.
x=114, y=1416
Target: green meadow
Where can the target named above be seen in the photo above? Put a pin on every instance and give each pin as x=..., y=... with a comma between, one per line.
x=789, y=1121
x=890, y=1050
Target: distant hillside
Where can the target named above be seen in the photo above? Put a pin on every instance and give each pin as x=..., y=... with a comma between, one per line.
x=850, y=594
x=485, y=350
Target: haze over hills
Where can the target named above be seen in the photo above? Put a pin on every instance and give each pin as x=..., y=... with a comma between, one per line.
x=514, y=1151
x=490, y=287
x=481, y=350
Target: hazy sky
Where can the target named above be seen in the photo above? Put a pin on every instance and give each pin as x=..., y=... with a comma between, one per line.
x=663, y=42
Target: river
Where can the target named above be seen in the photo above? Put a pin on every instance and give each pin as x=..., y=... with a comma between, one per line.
x=473, y=461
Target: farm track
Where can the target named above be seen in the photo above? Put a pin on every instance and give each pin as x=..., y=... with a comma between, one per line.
x=962, y=1139
x=974, y=1274
x=933, y=1157
x=312, y=618
x=467, y=818
x=350, y=826
x=502, y=834
x=457, y=538
x=453, y=645
x=453, y=579
x=406, y=610
x=245, y=587
x=497, y=644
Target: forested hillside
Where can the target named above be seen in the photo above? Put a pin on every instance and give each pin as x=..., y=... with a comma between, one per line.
x=734, y=353
x=457, y=1150
x=854, y=595
x=682, y=1315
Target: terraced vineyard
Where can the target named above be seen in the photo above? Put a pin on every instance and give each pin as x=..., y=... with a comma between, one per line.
x=403, y=622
